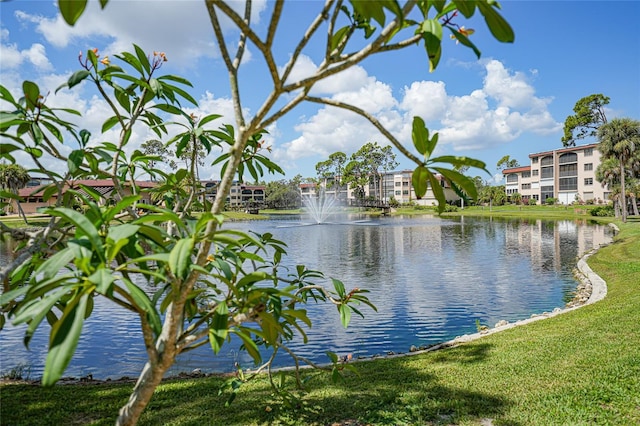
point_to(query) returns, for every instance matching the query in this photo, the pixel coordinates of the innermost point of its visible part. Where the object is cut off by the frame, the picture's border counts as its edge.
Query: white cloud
(180, 29)
(36, 55)
(504, 108)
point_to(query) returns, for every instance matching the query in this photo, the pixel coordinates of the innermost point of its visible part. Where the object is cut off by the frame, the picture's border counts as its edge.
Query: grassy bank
(579, 368)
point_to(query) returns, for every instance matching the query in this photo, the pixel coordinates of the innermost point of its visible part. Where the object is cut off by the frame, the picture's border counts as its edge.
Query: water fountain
(320, 207)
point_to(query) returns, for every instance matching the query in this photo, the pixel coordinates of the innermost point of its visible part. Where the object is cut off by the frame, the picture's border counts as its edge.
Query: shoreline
(591, 288)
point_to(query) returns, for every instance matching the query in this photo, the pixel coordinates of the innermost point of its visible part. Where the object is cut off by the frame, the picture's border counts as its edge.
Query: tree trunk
(623, 195)
(24, 216)
(143, 391)
(153, 372)
(634, 202)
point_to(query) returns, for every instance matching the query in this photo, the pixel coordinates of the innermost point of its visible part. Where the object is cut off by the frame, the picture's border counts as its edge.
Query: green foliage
(551, 201)
(532, 202)
(506, 162)
(208, 282)
(603, 211)
(424, 175)
(589, 116)
(217, 276)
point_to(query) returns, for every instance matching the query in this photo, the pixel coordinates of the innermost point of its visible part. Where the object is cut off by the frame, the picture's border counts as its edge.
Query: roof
(516, 170)
(103, 186)
(567, 149)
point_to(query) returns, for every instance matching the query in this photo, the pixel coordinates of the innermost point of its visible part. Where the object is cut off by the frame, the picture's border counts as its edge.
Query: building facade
(396, 185)
(567, 174)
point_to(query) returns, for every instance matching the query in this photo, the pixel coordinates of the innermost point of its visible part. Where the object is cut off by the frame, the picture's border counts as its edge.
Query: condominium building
(566, 174)
(397, 185)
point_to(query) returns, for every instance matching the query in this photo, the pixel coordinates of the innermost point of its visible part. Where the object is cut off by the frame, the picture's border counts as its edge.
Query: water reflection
(430, 278)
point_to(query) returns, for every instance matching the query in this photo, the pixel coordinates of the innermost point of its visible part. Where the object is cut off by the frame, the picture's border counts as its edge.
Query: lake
(430, 278)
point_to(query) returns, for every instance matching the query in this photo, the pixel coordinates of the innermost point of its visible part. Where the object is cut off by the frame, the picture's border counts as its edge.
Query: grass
(579, 368)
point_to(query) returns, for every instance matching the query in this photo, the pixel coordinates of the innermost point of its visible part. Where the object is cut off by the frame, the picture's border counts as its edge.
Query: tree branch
(372, 120)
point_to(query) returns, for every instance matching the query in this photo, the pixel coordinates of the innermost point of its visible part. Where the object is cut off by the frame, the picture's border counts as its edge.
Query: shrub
(603, 211)
(450, 209)
(551, 201)
(532, 202)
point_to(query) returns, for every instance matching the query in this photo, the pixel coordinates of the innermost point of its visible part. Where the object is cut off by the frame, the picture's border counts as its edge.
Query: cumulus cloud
(505, 107)
(182, 31)
(13, 57)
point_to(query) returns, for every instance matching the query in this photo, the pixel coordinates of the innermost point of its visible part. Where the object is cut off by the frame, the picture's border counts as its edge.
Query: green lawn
(579, 368)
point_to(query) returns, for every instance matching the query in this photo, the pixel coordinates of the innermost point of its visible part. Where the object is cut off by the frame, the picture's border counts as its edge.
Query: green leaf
(144, 304)
(74, 160)
(109, 123)
(50, 267)
(71, 10)
(64, 339)
(156, 86)
(438, 192)
(419, 181)
(339, 286)
(466, 7)
(465, 41)
(31, 94)
(498, 26)
(431, 30)
(345, 315)
(249, 344)
(467, 185)
(142, 57)
(77, 77)
(460, 161)
(218, 330)
(102, 279)
(338, 37)
(180, 257)
(420, 136)
(83, 225)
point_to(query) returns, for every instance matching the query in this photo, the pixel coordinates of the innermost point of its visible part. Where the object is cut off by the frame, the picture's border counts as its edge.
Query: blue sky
(512, 101)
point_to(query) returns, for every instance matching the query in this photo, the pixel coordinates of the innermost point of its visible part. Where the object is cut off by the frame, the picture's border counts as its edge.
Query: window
(526, 186)
(588, 167)
(405, 192)
(569, 157)
(512, 177)
(568, 184)
(588, 181)
(398, 192)
(536, 197)
(588, 152)
(534, 172)
(405, 183)
(398, 183)
(534, 160)
(568, 170)
(546, 192)
(546, 161)
(526, 174)
(547, 172)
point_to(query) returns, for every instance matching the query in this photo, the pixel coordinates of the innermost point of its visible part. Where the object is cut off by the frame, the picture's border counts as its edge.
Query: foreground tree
(589, 116)
(13, 177)
(210, 283)
(620, 139)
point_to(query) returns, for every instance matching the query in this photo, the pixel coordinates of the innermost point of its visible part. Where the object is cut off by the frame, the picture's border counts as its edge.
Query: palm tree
(608, 173)
(619, 139)
(13, 178)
